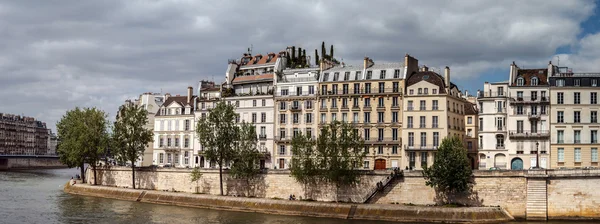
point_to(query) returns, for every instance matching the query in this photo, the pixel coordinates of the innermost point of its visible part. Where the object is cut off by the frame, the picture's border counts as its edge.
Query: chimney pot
(189, 94)
(447, 76)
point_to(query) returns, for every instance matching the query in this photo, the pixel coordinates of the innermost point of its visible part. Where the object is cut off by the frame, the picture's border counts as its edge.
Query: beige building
(434, 108)
(574, 118)
(370, 97)
(472, 132)
(295, 110)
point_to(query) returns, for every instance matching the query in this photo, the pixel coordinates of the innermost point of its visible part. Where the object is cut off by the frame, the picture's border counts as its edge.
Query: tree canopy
(245, 164)
(130, 135)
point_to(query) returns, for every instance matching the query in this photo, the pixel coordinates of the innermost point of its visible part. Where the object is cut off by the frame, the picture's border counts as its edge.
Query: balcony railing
(534, 115)
(420, 147)
(292, 94)
(529, 99)
(295, 108)
(262, 136)
(492, 94)
(499, 146)
(529, 134)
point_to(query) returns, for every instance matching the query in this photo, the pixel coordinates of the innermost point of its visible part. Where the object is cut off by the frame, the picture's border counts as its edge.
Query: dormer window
(520, 81)
(357, 75)
(369, 74)
(326, 76)
(382, 74)
(336, 76)
(346, 76)
(420, 91)
(534, 81)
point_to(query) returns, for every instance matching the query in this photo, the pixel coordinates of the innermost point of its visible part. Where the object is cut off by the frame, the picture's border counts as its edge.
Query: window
(380, 117)
(594, 136)
(323, 103)
(423, 139)
(560, 98)
(380, 134)
(520, 109)
(435, 105)
(520, 81)
(436, 139)
(594, 155)
(367, 87)
(434, 122)
(367, 134)
(324, 89)
(422, 105)
(395, 134)
(345, 117)
(355, 117)
(187, 125)
(367, 118)
(367, 102)
(481, 124)
(470, 120)
(253, 117)
(422, 122)
(576, 98)
(335, 76)
(560, 136)
(161, 142)
(394, 117)
(333, 103)
(411, 139)
(168, 141)
(309, 132)
(356, 88)
(186, 142)
(334, 89)
(576, 116)
(169, 158)
(577, 82)
(560, 117)
(237, 118)
(161, 158)
(534, 81)
(333, 116)
(311, 90)
(237, 103)
(561, 155)
(594, 117)
(308, 118)
(263, 117)
(282, 150)
(282, 133)
(282, 118)
(381, 87)
(594, 98)
(308, 104)
(395, 149)
(254, 103)
(296, 118)
(380, 103)
(346, 76)
(345, 89)
(542, 109)
(299, 91)
(282, 105)
(410, 122)
(577, 136)
(533, 95)
(395, 101)
(560, 82)
(577, 155)
(420, 91)
(357, 75)
(433, 91)
(366, 164)
(369, 74)
(397, 73)
(426, 91)
(323, 118)
(395, 87)
(411, 92)
(382, 74)
(409, 105)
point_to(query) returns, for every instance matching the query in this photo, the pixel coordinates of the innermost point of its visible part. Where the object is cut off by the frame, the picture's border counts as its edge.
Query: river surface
(36, 196)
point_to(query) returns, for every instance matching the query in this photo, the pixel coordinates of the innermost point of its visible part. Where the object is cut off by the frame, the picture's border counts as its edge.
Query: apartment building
(174, 131)
(150, 102)
(492, 104)
(249, 85)
(369, 97)
(21, 135)
(574, 118)
(528, 118)
(295, 101)
(434, 108)
(209, 95)
(471, 136)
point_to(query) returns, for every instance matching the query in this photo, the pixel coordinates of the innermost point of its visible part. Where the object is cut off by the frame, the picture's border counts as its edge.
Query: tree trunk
(133, 174)
(82, 166)
(221, 177)
(95, 179)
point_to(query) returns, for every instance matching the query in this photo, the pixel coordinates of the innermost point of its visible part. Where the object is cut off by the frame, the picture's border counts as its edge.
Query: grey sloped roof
(300, 70)
(329, 75)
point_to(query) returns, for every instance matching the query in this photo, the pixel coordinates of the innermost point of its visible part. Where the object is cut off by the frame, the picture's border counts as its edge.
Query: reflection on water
(37, 197)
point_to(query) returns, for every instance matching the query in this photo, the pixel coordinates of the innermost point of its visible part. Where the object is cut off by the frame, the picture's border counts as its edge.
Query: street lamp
(537, 161)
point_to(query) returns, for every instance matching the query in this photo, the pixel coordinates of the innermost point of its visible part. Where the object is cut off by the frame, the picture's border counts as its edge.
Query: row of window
(533, 110)
(422, 91)
(458, 123)
(299, 92)
(237, 103)
(560, 98)
(456, 107)
(175, 123)
(560, 117)
(560, 137)
(576, 82)
(173, 142)
(423, 142)
(577, 155)
(173, 111)
(336, 75)
(170, 156)
(380, 150)
(355, 102)
(357, 89)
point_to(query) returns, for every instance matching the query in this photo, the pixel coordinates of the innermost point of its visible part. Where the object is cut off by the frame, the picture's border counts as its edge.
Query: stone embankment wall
(300, 208)
(30, 163)
(569, 194)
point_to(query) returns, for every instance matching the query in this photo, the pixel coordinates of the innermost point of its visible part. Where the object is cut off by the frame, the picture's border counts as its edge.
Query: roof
(291, 71)
(528, 74)
(210, 89)
(181, 100)
(427, 76)
(251, 78)
(260, 59)
(470, 109)
(329, 75)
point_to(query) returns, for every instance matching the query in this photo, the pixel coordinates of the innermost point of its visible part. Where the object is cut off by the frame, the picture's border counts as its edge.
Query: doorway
(516, 164)
(380, 164)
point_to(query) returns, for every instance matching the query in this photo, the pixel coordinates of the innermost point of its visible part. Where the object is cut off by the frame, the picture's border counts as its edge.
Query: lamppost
(537, 154)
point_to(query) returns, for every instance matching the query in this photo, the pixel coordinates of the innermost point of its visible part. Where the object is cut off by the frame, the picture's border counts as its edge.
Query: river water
(36, 196)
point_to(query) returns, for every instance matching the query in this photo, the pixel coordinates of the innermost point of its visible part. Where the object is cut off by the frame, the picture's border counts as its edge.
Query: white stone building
(174, 132)
(492, 104)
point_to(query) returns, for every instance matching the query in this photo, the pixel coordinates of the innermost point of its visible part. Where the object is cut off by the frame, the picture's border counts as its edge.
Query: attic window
(534, 81)
(397, 73)
(346, 76)
(325, 76)
(520, 81)
(382, 74)
(425, 77)
(357, 75)
(336, 76)
(369, 74)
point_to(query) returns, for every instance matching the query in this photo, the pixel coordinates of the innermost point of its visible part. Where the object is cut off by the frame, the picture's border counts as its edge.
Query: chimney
(513, 70)
(410, 65)
(365, 62)
(167, 95)
(550, 70)
(189, 96)
(447, 77)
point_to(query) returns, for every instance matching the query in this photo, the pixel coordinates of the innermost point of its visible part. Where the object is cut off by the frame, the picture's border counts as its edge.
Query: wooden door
(380, 164)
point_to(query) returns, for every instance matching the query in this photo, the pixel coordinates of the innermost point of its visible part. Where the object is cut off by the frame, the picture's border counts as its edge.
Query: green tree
(331, 52)
(84, 138)
(293, 61)
(245, 164)
(195, 176)
(334, 157)
(323, 51)
(316, 57)
(451, 172)
(215, 134)
(130, 135)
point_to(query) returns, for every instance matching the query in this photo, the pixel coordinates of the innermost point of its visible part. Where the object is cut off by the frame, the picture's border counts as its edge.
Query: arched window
(520, 81)
(534, 81)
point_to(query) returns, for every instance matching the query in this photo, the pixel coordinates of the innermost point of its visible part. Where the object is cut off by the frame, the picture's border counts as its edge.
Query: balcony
(295, 94)
(262, 136)
(528, 134)
(421, 147)
(499, 146)
(295, 108)
(283, 138)
(490, 94)
(323, 108)
(529, 100)
(345, 108)
(534, 116)
(383, 140)
(355, 108)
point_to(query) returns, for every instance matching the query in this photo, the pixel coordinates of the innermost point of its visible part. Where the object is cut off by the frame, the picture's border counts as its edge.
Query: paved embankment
(301, 208)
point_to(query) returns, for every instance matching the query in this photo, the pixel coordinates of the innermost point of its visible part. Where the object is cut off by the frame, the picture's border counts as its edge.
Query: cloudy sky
(59, 54)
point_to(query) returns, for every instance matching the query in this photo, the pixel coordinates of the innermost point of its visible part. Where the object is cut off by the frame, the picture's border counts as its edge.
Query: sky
(56, 55)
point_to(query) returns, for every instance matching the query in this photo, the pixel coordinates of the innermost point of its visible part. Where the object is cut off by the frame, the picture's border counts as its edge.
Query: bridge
(26, 161)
